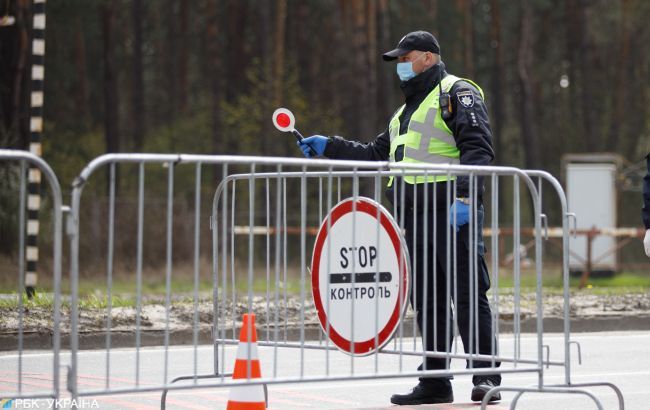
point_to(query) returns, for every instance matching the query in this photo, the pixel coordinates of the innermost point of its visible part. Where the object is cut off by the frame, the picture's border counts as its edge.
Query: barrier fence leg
(521, 391)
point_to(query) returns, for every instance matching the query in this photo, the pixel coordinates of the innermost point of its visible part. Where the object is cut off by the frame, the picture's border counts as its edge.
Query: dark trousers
(434, 299)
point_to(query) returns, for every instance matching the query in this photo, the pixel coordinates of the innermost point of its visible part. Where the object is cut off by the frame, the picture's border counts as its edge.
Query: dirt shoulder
(588, 312)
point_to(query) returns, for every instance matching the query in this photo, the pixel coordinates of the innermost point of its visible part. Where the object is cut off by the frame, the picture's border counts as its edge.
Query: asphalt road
(622, 358)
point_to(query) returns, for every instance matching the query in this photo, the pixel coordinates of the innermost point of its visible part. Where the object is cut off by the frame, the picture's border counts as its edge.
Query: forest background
(204, 76)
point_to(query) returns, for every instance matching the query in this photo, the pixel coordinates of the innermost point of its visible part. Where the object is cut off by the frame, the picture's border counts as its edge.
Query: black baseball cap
(417, 40)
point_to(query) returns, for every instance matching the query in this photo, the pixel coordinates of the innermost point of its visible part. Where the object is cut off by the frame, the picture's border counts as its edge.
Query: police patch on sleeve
(466, 98)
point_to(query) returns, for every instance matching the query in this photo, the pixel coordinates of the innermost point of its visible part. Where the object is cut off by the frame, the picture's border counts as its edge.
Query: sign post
(360, 276)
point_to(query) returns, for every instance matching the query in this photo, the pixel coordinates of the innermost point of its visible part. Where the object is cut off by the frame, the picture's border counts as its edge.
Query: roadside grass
(46, 300)
(621, 283)
(93, 291)
(12, 301)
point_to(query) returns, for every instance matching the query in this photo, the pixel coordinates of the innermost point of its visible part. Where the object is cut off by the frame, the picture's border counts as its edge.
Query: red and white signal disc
(284, 120)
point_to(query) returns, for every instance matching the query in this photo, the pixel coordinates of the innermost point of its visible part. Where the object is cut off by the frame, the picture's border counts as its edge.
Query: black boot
(426, 392)
(482, 386)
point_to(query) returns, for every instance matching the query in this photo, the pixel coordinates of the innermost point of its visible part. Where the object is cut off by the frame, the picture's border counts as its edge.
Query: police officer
(443, 120)
(645, 211)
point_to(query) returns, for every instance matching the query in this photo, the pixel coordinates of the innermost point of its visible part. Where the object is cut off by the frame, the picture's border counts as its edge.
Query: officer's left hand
(646, 242)
(461, 210)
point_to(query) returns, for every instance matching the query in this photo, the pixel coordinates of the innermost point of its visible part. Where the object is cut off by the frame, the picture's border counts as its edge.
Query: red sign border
(370, 207)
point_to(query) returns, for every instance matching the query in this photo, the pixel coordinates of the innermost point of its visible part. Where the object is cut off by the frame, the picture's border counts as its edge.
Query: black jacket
(645, 211)
(469, 125)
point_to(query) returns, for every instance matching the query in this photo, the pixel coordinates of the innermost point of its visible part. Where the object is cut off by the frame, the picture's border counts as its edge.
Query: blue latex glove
(316, 142)
(462, 214)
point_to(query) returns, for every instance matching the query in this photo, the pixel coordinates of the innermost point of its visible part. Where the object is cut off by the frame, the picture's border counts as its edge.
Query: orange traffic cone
(247, 397)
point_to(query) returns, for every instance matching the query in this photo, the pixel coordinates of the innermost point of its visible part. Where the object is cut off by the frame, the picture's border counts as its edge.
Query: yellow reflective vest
(427, 140)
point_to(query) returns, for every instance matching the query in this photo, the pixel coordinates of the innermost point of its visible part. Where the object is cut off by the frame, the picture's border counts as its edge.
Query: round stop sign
(359, 276)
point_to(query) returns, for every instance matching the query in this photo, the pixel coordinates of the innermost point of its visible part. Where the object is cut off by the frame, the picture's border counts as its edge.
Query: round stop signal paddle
(284, 121)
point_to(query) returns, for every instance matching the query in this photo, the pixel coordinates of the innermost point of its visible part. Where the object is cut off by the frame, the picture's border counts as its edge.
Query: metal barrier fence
(263, 198)
(34, 379)
(568, 386)
(274, 193)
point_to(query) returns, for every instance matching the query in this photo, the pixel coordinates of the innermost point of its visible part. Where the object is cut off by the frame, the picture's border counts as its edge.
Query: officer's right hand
(314, 144)
(646, 242)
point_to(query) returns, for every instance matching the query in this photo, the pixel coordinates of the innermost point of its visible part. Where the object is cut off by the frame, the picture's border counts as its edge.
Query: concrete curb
(185, 337)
